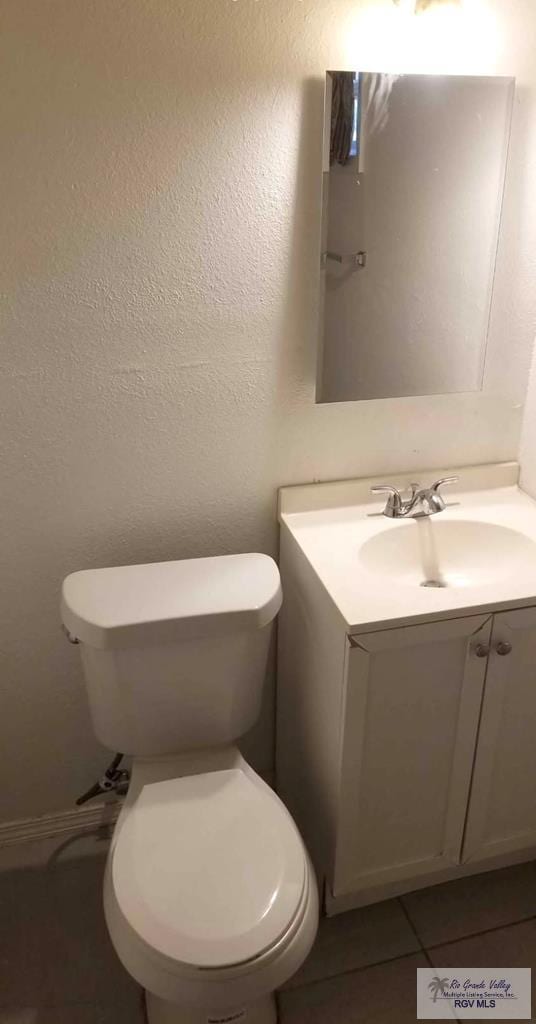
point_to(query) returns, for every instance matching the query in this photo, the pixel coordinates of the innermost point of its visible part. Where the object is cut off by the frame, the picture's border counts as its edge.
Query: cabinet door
(502, 808)
(413, 699)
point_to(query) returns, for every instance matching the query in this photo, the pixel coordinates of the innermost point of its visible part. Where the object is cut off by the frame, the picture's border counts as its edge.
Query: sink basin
(477, 555)
(435, 553)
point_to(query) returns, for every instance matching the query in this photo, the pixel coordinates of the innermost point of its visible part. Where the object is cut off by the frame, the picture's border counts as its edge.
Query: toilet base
(159, 1011)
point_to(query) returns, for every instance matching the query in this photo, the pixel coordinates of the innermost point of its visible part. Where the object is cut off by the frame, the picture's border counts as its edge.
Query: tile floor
(57, 965)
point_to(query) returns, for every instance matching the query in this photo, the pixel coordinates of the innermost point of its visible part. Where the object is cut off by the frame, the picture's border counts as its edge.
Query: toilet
(209, 895)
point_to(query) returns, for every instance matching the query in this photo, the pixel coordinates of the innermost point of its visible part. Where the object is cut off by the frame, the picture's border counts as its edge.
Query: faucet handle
(444, 480)
(385, 489)
(394, 501)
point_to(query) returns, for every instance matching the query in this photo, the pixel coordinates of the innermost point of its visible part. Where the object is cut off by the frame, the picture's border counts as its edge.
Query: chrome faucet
(423, 501)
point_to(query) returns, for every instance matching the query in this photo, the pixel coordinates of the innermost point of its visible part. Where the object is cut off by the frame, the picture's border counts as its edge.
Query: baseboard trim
(88, 818)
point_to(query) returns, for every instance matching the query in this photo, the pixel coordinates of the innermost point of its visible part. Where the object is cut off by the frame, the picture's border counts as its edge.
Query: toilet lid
(209, 869)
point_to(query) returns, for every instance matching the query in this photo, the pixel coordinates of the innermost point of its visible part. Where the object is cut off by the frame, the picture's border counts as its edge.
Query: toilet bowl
(209, 895)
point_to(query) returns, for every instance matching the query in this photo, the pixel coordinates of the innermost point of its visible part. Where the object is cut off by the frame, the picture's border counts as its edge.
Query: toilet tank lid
(162, 602)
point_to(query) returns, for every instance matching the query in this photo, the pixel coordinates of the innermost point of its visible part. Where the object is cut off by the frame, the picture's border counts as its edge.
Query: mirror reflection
(413, 178)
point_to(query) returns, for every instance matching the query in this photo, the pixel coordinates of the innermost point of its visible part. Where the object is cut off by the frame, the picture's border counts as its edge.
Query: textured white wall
(159, 193)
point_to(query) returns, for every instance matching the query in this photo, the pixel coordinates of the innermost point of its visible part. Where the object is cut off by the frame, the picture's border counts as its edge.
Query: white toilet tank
(174, 653)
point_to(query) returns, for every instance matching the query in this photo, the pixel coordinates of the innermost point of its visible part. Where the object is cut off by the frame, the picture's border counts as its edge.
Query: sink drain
(433, 583)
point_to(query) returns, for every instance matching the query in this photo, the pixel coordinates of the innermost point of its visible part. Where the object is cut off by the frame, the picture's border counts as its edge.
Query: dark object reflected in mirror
(413, 179)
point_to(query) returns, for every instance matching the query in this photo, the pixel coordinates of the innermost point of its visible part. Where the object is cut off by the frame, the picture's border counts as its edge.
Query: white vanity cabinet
(412, 707)
(427, 766)
(406, 752)
(502, 808)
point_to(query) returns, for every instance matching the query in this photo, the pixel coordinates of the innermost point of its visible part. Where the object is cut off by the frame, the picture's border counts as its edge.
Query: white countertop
(335, 523)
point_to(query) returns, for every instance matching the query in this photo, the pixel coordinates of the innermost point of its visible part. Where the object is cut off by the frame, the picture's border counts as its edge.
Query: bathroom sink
(431, 552)
(476, 555)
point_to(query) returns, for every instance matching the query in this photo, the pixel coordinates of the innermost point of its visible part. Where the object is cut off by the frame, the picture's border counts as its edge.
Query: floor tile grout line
(475, 935)
(419, 940)
(425, 950)
(433, 967)
(68, 1004)
(352, 970)
(413, 926)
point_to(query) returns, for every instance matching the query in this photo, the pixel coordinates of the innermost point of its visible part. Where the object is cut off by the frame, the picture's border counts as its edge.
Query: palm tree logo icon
(438, 986)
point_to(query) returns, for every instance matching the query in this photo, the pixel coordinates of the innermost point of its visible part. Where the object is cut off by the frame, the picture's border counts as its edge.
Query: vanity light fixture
(419, 6)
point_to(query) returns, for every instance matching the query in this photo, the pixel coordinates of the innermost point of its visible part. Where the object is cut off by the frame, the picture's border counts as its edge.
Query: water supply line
(114, 780)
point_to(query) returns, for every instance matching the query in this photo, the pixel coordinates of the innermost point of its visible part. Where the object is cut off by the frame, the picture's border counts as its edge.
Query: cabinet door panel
(413, 699)
(502, 809)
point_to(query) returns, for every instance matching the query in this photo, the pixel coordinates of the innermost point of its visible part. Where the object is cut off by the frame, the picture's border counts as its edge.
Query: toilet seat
(209, 870)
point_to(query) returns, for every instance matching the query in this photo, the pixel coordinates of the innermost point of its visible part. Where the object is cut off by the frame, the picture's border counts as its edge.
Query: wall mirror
(413, 179)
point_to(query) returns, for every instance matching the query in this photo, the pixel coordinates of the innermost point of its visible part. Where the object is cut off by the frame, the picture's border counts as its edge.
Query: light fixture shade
(418, 6)
(423, 5)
